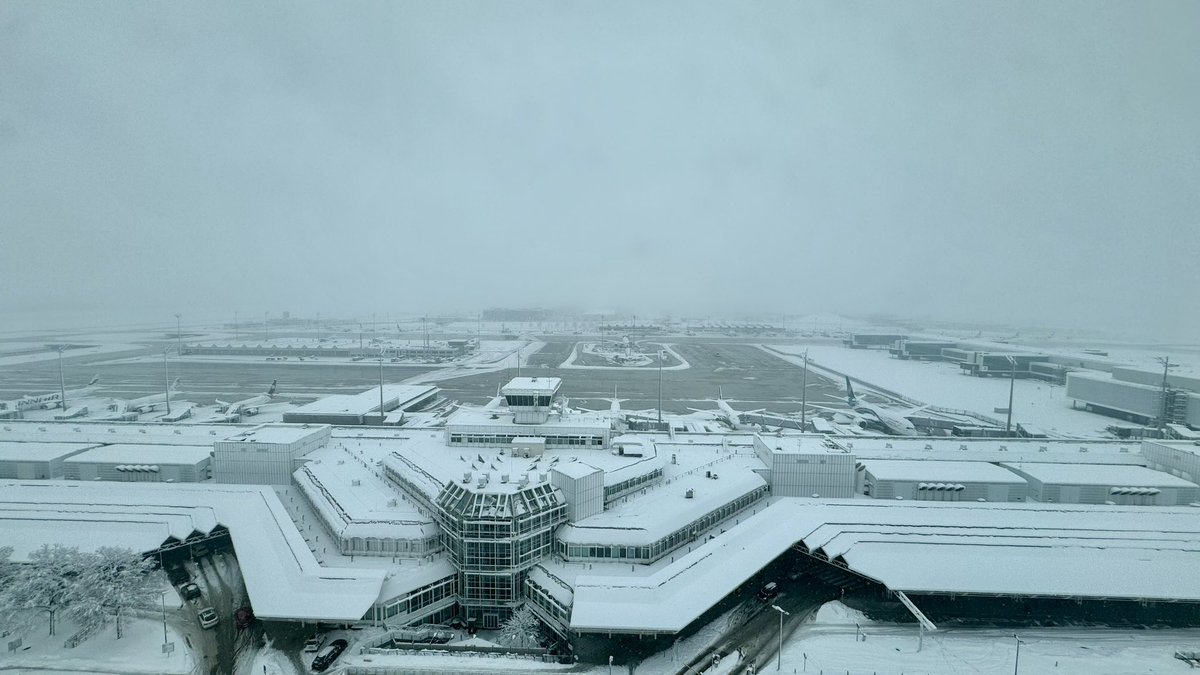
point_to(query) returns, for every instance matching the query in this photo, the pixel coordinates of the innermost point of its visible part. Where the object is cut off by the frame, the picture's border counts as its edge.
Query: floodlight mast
(1012, 380)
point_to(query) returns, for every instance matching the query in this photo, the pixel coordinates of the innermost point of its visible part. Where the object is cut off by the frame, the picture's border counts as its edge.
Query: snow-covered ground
(98, 350)
(571, 364)
(942, 384)
(140, 650)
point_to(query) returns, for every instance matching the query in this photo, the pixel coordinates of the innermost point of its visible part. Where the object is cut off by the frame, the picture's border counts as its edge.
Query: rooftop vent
(689, 494)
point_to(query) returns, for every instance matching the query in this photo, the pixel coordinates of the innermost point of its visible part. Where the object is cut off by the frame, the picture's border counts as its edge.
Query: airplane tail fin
(850, 397)
(720, 394)
(271, 391)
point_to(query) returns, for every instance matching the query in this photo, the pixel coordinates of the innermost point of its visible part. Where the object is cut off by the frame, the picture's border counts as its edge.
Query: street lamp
(1012, 380)
(1017, 661)
(163, 596)
(178, 335)
(779, 656)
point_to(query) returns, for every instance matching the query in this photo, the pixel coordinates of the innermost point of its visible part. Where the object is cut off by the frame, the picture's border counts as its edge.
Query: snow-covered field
(570, 363)
(1035, 402)
(138, 651)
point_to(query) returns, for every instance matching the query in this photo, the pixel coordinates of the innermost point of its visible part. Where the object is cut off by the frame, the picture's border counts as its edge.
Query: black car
(190, 591)
(329, 654)
(177, 575)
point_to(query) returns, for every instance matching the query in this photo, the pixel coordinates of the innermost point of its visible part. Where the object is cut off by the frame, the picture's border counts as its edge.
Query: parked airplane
(728, 415)
(144, 404)
(873, 416)
(54, 400)
(250, 405)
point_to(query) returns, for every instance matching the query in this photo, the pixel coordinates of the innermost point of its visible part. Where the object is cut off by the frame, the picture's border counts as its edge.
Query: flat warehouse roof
(128, 453)
(20, 451)
(936, 470)
(1099, 474)
(277, 433)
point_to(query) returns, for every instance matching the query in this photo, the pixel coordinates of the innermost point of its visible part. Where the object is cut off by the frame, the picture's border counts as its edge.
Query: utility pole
(266, 327)
(62, 382)
(178, 336)
(804, 394)
(236, 336)
(318, 328)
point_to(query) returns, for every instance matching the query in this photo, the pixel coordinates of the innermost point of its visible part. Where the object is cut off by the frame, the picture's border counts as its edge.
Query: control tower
(529, 398)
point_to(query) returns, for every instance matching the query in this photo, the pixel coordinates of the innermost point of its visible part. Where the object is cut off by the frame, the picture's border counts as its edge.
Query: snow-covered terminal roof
(282, 577)
(1077, 551)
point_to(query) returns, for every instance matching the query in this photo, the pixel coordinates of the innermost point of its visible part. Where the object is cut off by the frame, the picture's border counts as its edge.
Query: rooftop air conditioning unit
(689, 494)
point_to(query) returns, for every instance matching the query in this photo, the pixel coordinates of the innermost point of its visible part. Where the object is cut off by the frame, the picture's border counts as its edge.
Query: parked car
(208, 617)
(190, 591)
(177, 574)
(769, 591)
(314, 643)
(329, 654)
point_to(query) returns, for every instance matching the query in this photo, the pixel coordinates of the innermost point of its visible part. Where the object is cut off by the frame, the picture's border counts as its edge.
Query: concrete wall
(584, 495)
(805, 475)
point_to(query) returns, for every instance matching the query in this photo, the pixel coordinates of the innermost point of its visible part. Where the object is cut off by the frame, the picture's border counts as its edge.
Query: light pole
(804, 393)
(1167, 365)
(62, 382)
(178, 335)
(380, 385)
(1012, 381)
(1017, 661)
(163, 596)
(236, 336)
(779, 656)
(660, 360)
(167, 378)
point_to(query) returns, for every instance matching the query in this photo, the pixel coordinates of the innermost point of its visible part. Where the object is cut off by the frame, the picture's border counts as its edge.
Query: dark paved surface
(748, 377)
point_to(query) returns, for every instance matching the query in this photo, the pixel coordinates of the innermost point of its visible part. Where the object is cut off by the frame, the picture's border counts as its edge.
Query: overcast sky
(1025, 163)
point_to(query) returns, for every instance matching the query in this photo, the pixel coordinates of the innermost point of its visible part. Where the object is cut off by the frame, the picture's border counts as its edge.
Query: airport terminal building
(622, 543)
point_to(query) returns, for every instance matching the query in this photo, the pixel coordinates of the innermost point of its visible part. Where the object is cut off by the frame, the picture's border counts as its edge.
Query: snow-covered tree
(113, 581)
(45, 583)
(522, 629)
